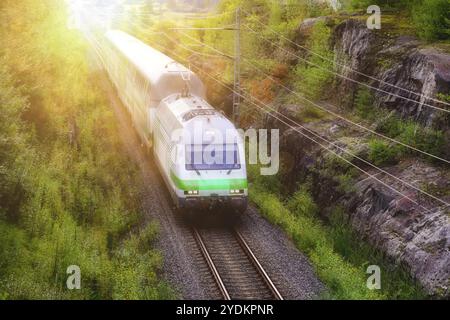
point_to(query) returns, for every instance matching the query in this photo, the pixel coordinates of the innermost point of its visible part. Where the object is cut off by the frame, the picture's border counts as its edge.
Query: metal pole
(237, 68)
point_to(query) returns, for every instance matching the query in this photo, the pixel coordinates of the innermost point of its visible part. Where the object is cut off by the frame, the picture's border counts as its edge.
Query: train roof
(185, 112)
(165, 75)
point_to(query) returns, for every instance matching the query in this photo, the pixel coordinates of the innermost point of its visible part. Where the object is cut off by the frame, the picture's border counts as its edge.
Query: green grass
(309, 235)
(364, 104)
(413, 134)
(340, 258)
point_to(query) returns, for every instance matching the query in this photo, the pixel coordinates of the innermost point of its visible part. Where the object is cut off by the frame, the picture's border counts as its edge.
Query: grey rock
(411, 236)
(417, 239)
(422, 72)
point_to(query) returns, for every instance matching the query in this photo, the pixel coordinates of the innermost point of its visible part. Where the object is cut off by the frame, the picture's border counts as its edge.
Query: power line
(341, 149)
(321, 145)
(342, 76)
(347, 67)
(248, 62)
(313, 103)
(329, 142)
(230, 28)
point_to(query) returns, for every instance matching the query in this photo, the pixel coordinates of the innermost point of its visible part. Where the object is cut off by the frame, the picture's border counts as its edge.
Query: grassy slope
(338, 255)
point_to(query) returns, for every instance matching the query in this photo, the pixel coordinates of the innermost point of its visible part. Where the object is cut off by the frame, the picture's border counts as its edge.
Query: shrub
(364, 103)
(384, 4)
(314, 78)
(346, 182)
(413, 134)
(82, 207)
(14, 151)
(269, 183)
(382, 153)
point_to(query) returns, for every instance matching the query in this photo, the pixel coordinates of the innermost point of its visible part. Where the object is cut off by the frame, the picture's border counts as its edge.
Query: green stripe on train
(213, 184)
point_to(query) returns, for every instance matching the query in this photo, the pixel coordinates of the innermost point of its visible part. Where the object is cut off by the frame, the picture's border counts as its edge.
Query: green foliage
(14, 151)
(432, 19)
(384, 4)
(301, 203)
(406, 131)
(346, 182)
(270, 183)
(68, 192)
(382, 153)
(364, 104)
(338, 255)
(443, 97)
(135, 268)
(310, 113)
(414, 134)
(313, 79)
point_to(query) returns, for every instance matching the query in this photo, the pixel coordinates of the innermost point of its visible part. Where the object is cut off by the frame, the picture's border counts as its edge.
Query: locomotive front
(210, 170)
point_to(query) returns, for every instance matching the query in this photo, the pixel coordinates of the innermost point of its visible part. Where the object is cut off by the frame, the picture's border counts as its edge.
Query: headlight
(192, 193)
(236, 191)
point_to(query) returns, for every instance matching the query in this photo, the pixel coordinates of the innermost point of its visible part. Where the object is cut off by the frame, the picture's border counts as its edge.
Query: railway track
(236, 270)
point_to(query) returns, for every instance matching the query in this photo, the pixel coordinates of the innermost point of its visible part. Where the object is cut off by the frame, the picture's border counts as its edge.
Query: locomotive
(198, 150)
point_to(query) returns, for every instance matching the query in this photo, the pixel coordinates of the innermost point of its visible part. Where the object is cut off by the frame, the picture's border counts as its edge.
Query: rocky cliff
(415, 236)
(399, 66)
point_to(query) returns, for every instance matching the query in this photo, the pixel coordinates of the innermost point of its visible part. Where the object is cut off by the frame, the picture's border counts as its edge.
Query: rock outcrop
(408, 234)
(403, 69)
(414, 236)
(407, 74)
(410, 228)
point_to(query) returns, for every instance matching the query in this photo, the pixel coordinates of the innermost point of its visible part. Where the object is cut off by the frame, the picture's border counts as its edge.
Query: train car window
(212, 157)
(196, 113)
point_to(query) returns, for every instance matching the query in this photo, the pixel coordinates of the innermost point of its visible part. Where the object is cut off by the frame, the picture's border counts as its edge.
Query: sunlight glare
(84, 14)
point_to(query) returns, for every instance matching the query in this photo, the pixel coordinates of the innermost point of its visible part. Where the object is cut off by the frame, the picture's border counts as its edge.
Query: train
(198, 150)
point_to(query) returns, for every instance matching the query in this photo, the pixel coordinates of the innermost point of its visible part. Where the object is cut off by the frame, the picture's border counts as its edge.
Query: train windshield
(212, 157)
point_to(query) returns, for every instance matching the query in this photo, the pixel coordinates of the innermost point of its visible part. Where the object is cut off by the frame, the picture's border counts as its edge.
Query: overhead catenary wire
(111, 14)
(333, 144)
(230, 27)
(346, 67)
(321, 145)
(248, 62)
(340, 148)
(343, 76)
(251, 100)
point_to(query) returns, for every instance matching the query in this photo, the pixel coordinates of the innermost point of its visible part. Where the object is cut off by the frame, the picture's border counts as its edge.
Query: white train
(164, 98)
